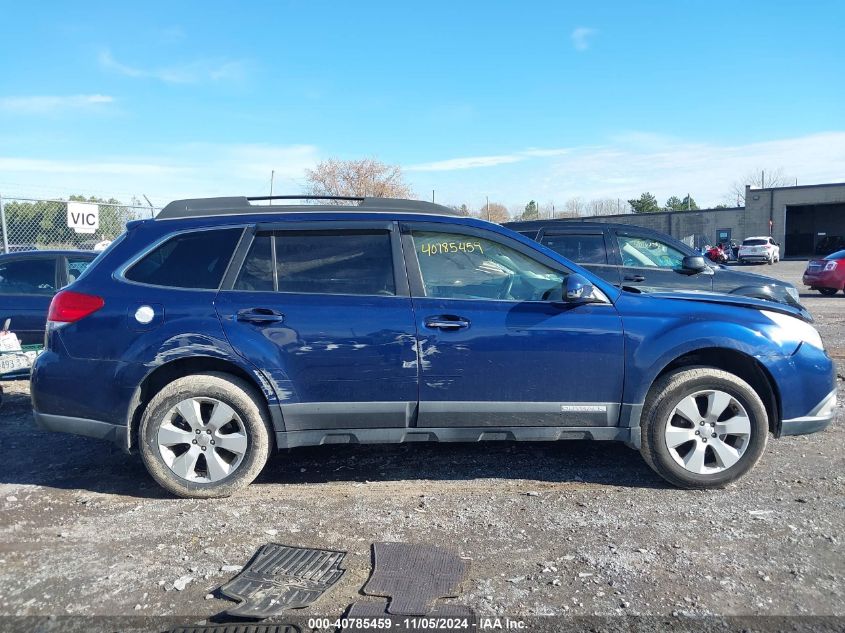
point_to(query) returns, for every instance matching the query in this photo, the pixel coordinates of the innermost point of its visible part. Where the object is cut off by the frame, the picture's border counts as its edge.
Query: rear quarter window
(188, 260)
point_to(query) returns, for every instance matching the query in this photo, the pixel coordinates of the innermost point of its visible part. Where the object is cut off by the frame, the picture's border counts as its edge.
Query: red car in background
(826, 275)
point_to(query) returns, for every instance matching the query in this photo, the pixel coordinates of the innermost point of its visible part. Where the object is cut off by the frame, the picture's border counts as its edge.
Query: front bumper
(815, 420)
(81, 426)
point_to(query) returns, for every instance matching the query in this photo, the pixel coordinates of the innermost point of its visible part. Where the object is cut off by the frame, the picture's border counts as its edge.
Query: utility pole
(763, 179)
(432, 195)
(272, 177)
(487, 207)
(689, 202)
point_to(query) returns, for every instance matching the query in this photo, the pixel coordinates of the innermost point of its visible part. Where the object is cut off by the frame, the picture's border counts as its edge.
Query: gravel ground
(575, 528)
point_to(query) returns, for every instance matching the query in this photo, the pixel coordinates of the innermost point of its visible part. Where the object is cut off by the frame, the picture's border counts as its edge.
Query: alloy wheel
(202, 440)
(708, 432)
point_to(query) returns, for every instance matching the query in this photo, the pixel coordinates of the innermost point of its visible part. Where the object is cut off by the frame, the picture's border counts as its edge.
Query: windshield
(755, 242)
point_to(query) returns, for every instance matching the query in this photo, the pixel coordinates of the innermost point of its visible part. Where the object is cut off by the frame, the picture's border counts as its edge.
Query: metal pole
(487, 206)
(3, 222)
(272, 177)
(152, 211)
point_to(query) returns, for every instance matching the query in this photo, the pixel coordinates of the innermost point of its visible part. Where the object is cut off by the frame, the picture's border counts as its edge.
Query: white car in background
(759, 249)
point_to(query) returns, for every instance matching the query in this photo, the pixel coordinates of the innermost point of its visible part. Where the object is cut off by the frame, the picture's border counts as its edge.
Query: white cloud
(46, 104)
(627, 165)
(620, 167)
(469, 162)
(473, 162)
(194, 170)
(581, 37)
(188, 73)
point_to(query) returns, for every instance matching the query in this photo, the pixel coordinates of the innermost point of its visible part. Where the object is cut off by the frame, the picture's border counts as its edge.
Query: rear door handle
(634, 278)
(446, 323)
(260, 315)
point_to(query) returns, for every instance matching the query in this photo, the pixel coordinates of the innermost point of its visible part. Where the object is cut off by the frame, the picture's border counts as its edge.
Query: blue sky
(512, 100)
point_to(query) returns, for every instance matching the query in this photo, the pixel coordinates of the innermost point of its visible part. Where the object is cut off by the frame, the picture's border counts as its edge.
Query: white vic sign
(83, 217)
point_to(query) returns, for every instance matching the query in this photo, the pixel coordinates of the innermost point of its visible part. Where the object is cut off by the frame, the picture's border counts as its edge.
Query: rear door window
(349, 262)
(28, 277)
(189, 260)
(335, 262)
(258, 273)
(581, 248)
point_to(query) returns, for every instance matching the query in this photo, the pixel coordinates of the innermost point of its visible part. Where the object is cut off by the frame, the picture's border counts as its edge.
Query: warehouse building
(800, 218)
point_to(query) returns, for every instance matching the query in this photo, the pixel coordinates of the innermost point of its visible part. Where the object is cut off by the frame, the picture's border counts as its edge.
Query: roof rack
(202, 207)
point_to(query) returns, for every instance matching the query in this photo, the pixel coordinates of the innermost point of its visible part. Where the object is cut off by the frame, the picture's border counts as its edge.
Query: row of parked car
(222, 329)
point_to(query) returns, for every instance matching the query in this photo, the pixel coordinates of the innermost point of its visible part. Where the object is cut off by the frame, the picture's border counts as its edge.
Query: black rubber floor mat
(414, 576)
(362, 616)
(240, 628)
(281, 577)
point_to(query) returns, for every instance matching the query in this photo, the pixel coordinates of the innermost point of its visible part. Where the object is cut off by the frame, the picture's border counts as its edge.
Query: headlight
(795, 329)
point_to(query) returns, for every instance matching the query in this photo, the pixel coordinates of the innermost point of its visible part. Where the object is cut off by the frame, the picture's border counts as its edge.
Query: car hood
(734, 300)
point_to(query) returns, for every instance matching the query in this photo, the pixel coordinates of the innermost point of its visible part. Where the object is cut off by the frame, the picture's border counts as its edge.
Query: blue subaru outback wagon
(222, 329)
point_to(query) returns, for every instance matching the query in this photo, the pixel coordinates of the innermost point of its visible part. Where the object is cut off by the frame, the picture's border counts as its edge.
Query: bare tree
(495, 212)
(758, 179)
(462, 209)
(608, 206)
(574, 207)
(366, 177)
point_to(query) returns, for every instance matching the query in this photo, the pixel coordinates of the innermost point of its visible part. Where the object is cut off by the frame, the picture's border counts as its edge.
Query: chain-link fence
(28, 224)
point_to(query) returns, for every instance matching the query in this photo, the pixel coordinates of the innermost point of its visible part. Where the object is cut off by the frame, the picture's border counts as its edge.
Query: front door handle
(447, 322)
(260, 315)
(634, 278)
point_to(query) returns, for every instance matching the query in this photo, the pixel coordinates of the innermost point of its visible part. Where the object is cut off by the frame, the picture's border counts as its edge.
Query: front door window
(648, 252)
(456, 266)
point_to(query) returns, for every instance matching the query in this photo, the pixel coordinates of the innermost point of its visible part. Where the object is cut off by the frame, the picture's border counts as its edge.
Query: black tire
(828, 292)
(665, 395)
(246, 402)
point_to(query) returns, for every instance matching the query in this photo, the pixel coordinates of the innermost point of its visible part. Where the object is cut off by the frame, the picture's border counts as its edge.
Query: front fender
(650, 350)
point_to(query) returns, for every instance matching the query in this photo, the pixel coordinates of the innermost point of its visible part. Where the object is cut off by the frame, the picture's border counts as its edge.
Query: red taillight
(69, 306)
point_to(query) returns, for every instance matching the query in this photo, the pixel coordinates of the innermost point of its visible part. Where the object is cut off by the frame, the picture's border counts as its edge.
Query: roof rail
(201, 207)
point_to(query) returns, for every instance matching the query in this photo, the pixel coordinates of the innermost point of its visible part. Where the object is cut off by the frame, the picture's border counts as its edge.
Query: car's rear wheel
(703, 428)
(205, 435)
(827, 292)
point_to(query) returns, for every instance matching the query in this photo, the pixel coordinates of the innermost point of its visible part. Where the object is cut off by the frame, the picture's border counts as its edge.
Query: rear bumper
(81, 426)
(816, 420)
(827, 279)
(756, 257)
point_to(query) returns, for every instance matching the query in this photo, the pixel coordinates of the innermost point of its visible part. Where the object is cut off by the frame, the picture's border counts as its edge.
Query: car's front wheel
(205, 435)
(703, 428)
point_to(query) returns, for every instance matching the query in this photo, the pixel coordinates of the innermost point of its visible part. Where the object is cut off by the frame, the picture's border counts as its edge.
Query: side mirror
(576, 289)
(693, 264)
